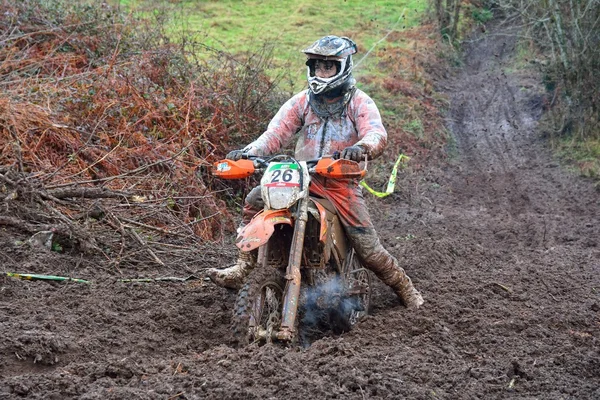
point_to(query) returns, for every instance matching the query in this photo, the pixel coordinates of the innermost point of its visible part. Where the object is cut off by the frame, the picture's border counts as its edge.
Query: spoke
(265, 310)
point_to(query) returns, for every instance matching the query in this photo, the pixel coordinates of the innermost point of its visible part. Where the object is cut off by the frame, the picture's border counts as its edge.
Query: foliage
(95, 96)
(394, 52)
(92, 96)
(569, 33)
(447, 13)
(455, 17)
(481, 15)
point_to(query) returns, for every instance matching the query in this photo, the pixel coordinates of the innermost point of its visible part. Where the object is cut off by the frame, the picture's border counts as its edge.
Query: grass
(574, 140)
(583, 154)
(242, 26)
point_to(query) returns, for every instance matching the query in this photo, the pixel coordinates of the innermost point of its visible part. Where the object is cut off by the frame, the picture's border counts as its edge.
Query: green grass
(415, 126)
(239, 26)
(584, 154)
(481, 15)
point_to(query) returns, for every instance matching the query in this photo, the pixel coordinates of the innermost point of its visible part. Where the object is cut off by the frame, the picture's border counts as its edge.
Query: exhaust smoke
(325, 308)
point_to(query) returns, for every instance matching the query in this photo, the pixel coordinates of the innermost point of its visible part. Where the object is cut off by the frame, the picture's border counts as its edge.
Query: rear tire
(257, 311)
(357, 301)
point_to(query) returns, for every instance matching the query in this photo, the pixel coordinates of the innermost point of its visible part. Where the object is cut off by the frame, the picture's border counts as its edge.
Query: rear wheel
(357, 297)
(359, 288)
(257, 312)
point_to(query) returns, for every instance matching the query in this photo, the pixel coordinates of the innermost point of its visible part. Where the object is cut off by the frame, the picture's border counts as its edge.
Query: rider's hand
(235, 155)
(354, 153)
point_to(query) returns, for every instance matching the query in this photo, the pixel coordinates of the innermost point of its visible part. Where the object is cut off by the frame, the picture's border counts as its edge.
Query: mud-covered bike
(307, 277)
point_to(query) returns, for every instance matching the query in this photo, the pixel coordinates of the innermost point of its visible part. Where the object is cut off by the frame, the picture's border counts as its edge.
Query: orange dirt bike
(308, 279)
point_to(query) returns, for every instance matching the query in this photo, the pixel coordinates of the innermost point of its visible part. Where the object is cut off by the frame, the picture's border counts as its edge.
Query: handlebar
(264, 161)
(327, 166)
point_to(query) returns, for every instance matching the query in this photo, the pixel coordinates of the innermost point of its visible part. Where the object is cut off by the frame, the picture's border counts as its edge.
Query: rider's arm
(282, 128)
(371, 133)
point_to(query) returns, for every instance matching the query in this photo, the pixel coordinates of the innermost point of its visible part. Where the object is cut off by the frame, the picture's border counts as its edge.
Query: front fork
(292, 274)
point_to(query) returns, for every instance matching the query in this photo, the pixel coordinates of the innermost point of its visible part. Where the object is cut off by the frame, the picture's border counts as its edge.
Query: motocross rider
(331, 116)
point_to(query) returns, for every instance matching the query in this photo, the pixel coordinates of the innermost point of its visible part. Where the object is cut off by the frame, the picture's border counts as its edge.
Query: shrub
(92, 96)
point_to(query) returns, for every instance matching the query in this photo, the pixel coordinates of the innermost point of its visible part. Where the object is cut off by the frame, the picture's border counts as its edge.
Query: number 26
(287, 175)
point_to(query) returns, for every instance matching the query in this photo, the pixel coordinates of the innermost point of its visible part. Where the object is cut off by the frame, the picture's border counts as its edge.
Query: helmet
(334, 48)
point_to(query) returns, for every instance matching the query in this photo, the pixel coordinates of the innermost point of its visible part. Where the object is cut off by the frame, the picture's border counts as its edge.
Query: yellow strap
(391, 182)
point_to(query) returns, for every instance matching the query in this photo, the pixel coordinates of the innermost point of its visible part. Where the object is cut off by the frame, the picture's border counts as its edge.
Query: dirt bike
(307, 278)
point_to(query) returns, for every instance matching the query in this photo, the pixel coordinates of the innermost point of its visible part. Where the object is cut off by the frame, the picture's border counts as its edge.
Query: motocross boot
(406, 291)
(395, 277)
(385, 266)
(234, 276)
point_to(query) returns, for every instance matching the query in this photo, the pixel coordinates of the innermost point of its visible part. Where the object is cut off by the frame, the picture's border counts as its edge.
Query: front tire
(257, 311)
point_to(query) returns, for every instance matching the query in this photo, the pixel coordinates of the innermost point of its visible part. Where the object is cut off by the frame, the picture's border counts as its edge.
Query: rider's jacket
(357, 123)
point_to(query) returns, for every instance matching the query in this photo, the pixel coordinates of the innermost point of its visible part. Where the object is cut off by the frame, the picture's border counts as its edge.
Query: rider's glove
(235, 155)
(354, 153)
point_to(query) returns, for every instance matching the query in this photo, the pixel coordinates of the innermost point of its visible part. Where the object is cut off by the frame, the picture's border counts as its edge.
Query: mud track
(503, 242)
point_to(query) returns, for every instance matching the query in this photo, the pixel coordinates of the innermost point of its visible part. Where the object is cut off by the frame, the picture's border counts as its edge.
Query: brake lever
(259, 162)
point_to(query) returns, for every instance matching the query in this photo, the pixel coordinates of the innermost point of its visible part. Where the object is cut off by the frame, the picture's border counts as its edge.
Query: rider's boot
(234, 276)
(403, 287)
(395, 277)
(376, 258)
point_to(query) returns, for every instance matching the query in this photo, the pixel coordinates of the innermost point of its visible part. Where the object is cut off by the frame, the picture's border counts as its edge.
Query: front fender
(260, 229)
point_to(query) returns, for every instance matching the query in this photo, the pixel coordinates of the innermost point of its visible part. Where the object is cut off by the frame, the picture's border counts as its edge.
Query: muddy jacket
(358, 124)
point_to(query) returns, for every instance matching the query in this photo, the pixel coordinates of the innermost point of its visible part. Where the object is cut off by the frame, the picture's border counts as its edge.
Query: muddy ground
(502, 241)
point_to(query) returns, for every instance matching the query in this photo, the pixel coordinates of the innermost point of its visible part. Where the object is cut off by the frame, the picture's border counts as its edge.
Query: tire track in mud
(490, 130)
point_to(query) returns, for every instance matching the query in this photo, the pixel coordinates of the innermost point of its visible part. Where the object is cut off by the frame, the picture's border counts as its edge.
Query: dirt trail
(503, 242)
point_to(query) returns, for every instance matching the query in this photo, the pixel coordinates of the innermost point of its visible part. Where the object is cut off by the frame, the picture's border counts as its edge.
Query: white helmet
(334, 48)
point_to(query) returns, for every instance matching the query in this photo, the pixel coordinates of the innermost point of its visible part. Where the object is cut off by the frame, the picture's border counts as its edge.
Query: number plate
(282, 175)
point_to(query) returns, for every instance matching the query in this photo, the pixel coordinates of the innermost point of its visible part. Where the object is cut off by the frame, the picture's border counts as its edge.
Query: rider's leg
(253, 204)
(234, 276)
(347, 198)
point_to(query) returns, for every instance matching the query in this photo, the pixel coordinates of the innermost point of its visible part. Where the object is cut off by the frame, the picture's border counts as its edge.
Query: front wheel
(257, 312)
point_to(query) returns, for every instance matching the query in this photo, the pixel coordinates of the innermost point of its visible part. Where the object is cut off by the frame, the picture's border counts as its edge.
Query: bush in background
(92, 96)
